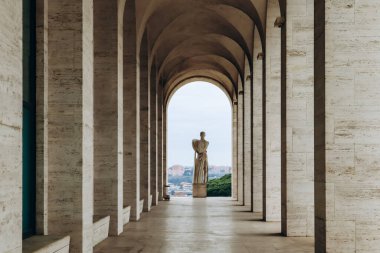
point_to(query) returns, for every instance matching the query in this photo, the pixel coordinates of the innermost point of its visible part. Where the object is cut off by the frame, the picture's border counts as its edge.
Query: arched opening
(195, 107)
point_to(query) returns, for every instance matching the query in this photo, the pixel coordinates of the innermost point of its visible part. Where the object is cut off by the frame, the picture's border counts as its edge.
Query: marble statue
(200, 166)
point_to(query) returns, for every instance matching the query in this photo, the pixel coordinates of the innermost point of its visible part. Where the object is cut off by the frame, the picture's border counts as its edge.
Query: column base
(199, 190)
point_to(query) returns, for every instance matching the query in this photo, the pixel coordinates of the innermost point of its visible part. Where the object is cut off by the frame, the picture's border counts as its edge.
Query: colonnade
(305, 114)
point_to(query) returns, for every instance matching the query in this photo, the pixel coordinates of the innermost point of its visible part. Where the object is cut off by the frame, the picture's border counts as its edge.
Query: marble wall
(10, 126)
(347, 119)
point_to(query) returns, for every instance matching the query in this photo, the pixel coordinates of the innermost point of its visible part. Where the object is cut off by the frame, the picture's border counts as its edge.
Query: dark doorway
(29, 121)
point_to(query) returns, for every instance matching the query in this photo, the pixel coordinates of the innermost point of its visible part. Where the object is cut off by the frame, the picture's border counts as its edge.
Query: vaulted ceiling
(205, 39)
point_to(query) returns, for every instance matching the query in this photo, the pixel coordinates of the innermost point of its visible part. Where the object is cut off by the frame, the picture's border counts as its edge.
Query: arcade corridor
(210, 225)
(84, 91)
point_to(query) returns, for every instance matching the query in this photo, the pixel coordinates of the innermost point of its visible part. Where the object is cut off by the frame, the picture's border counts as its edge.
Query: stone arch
(192, 79)
(207, 21)
(212, 62)
(225, 18)
(257, 15)
(170, 37)
(205, 71)
(202, 45)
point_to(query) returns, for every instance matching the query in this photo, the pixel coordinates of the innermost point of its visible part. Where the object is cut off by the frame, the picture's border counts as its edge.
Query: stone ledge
(126, 214)
(46, 244)
(100, 229)
(150, 201)
(141, 207)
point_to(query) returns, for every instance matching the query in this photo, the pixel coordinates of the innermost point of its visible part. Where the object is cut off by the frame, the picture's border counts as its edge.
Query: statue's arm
(194, 142)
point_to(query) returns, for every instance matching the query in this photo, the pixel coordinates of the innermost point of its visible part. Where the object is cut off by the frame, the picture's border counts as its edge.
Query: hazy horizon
(196, 107)
(192, 165)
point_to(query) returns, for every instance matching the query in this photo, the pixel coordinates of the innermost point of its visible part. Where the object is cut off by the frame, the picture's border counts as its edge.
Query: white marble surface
(10, 126)
(101, 229)
(257, 137)
(272, 187)
(46, 244)
(298, 188)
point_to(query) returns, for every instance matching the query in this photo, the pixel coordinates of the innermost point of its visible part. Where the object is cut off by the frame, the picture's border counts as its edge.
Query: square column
(131, 116)
(258, 119)
(41, 116)
(298, 168)
(153, 137)
(164, 151)
(240, 143)
(247, 136)
(108, 169)
(272, 171)
(70, 121)
(144, 126)
(160, 167)
(235, 183)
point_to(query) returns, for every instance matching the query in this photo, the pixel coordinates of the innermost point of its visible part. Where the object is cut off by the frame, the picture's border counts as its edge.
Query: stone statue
(200, 167)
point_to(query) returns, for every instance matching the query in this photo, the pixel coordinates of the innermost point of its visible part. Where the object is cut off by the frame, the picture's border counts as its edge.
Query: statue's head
(203, 135)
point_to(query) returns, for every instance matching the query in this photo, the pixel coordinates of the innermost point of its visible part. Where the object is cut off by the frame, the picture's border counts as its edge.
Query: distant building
(176, 171)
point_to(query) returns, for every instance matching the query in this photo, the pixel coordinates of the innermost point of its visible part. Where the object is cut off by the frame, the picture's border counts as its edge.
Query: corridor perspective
(84, 93)
(204, 225)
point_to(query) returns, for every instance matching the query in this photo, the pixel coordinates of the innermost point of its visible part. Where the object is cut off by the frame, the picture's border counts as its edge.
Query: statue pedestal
(199, 190)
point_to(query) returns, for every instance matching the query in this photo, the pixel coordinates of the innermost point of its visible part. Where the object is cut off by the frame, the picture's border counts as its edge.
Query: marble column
(234, 151)
(240, 143)
(131, 117)
(108, 173)
(298, 169)
(159, 140)
(10, 126)
(257, 137)
(272, 174)
(347, 119)
(247, 135)
(41, 116)
(164, 150)
(144, 126)
(153, 137)
(70, 121)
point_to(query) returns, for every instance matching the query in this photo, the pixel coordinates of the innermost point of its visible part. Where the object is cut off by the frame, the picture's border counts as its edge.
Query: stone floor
(203, 225)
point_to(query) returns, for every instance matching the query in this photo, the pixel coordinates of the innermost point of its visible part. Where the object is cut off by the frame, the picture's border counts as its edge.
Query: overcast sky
(197, 107)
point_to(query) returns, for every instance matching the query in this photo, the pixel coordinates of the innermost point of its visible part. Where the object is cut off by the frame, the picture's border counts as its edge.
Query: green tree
(219, 187)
